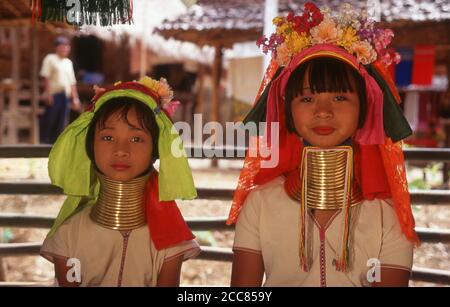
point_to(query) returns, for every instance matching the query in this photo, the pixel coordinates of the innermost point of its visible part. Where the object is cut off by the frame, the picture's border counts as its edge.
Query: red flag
(423, 64)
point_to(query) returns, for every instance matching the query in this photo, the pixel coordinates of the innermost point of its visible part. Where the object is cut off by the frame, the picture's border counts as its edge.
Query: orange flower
(325, 32)
(164, 91)
(283, 56)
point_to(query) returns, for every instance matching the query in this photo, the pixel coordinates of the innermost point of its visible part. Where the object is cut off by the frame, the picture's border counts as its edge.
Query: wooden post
(143, 58)
(445, 167)
(446, 100)
(216, 76)
(2, 115)
(12, 137)
(215, 99)
(2, 268)
(34, 129)
(199, 96)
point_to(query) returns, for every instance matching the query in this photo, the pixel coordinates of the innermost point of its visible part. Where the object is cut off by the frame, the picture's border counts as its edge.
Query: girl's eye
(340, 98)
(306, 99)
(136, 139)
(107, 138)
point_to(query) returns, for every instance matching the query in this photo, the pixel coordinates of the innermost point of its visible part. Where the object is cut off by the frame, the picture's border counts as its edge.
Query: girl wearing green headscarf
(120, 225)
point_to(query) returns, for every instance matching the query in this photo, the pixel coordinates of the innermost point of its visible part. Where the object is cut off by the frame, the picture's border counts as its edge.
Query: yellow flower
(348, 38)
(284, 29)
(325, 32)
(150, 83)
(295, 42)
(364, 52)
(278, 20)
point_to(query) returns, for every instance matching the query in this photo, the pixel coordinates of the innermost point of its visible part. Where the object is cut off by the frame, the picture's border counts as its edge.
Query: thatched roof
(226, 22)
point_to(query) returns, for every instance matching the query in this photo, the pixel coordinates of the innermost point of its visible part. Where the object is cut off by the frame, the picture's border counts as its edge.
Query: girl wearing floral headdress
(120, 225)
(335, 211)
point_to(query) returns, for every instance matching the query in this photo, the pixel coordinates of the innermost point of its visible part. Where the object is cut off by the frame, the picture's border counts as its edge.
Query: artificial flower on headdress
(161, 87)
(349, 28)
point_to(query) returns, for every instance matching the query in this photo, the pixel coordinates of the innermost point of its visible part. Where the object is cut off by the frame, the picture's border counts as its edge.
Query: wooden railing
(423, 197)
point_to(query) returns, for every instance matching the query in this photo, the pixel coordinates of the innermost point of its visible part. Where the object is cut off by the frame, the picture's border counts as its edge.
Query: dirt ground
(194, 272)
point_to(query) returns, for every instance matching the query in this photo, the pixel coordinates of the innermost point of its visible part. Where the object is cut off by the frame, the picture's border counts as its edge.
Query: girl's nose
(323, 109)
(121, 150)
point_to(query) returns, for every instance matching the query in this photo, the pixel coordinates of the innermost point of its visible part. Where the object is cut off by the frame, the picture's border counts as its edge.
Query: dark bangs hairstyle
(122, 105)
(324, 75)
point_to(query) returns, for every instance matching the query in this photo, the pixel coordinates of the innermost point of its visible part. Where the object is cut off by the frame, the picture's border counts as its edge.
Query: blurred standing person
(60, 91)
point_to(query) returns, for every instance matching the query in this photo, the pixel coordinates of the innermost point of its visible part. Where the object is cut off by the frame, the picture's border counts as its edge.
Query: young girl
(119, 225)
(335, 211)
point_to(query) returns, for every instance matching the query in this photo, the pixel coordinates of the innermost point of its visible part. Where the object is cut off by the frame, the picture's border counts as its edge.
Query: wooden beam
(11, 9)
(26, 3)
(14, 22)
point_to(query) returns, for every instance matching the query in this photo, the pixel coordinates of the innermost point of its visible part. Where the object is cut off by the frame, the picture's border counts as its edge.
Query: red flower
(290, 16)
(312, 14)
(309, 6)
(261, 41)
(301, 24)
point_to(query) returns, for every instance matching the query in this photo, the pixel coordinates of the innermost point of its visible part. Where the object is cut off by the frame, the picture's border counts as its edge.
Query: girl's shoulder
(271, 186)
(81, 217)
(385, 206)
(271, 192)
(382, 210)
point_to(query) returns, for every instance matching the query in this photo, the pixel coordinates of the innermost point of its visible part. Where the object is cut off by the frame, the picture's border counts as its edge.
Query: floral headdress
(160, 90)
(349, 29)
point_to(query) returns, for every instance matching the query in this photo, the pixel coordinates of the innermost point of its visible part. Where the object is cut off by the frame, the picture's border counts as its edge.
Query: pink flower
(171, 107)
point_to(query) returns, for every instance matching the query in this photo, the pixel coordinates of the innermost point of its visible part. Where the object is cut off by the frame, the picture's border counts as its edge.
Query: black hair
(123, 105)
(325, 75)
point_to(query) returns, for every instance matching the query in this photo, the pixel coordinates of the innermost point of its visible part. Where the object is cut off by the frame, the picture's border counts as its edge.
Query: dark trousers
(54, 119)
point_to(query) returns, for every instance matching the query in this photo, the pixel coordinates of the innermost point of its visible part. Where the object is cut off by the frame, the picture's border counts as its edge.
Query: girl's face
(325, 119)
(122, 150)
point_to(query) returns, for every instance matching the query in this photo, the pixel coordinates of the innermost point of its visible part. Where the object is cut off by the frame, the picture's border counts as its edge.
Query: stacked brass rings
(120, 205)
(328, 175)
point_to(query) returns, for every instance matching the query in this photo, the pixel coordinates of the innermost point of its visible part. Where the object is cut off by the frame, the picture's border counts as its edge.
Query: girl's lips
(323, 130)
(120, 167)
